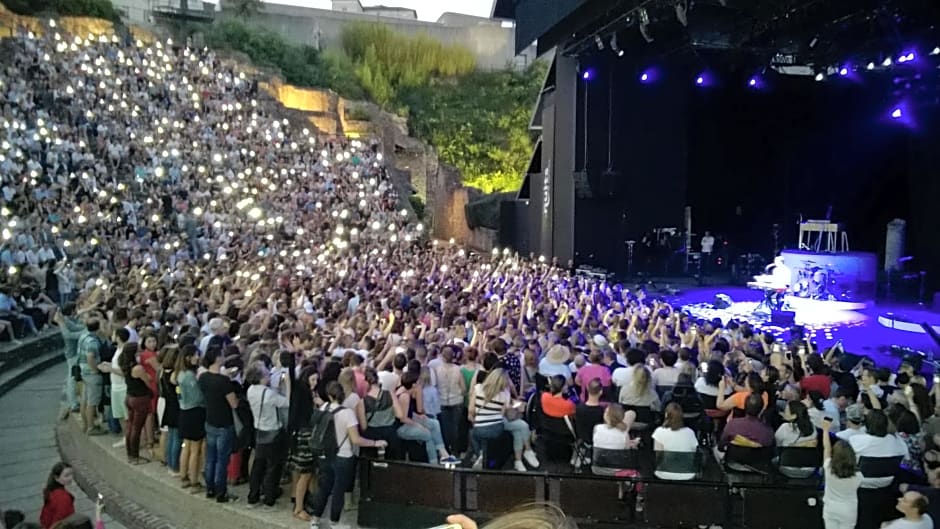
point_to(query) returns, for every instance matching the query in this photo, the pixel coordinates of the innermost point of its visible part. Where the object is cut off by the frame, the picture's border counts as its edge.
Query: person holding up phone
(840, 499)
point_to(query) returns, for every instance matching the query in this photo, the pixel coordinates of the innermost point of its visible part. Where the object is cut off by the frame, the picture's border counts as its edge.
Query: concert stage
(856, 324)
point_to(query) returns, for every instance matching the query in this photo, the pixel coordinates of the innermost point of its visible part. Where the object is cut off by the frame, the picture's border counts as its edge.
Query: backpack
(323, 444)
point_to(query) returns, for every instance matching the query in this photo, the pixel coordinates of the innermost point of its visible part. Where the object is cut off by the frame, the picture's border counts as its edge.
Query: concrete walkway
(28, 416)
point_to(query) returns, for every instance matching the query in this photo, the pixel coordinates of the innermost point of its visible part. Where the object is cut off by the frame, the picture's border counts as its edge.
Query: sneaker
(530, 458)
(314, 523)
(210, 494)
(251, 504)
(450, 460)
(478, 463)
(120, 444)
(339, 525)
(519, 466)
(226, 498)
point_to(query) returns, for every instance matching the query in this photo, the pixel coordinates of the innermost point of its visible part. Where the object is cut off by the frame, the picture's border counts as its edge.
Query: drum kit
(816, 282)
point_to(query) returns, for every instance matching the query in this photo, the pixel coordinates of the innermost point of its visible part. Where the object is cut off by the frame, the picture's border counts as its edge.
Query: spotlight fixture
(587, 75)
(870, 66)
(936, 51)
(645, 25)
(700, 80)
(599, 42)
(896, 113)
(843, 71)
(819, 77)
(682, 12)
(887, 62)
(615, 46)
(645, 77)
(752, 82)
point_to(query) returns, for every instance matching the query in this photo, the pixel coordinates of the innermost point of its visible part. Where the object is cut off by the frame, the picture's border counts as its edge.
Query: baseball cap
(855, 413)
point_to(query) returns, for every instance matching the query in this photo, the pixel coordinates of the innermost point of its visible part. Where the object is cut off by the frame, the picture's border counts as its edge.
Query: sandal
(303, 516)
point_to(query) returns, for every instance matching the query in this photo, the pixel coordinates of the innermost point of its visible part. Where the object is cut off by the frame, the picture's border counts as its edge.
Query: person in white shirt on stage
(708, 245)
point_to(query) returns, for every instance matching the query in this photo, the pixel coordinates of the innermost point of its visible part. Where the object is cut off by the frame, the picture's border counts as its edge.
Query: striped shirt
(489, 413)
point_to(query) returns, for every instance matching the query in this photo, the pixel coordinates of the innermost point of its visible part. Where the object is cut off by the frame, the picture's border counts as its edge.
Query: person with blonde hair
(489, 414)
(639, 391)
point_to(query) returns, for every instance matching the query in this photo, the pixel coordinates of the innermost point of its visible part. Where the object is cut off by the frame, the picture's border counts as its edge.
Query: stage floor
(856, 325)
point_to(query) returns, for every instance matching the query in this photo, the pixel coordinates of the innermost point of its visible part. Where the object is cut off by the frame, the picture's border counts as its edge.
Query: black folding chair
(679, 462)
(606, 462)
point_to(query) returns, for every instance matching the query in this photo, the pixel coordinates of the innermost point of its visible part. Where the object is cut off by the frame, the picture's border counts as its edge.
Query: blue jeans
(71, 395)
(333, 481)
(518, 428)
(219, 443)
(430, 435)
(174, 443)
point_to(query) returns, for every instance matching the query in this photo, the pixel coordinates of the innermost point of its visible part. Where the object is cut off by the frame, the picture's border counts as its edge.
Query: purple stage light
(752, 82)
(844, 71)
(700, 80)
(896, 113)
(587, 74)
(645, 77)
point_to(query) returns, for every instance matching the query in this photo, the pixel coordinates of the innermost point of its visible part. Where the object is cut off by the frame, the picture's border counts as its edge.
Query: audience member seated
(488, 413)
(797, 431)
(818, 378)
(595, 369)
(668, 375)
(673, 436)
(554, 403)
(752, 385)
(639, 394)
(707, 384)
(555, 362)
(612, 436)
(854, 422)
(588, 415)
(750, 430)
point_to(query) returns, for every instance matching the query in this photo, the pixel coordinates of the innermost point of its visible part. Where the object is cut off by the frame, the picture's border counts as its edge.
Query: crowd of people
(236, 291)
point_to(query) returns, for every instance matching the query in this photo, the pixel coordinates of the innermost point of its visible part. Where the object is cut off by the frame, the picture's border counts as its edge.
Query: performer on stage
(780, 277)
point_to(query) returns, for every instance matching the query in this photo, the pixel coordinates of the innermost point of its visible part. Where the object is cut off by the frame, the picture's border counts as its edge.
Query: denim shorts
(92, 389)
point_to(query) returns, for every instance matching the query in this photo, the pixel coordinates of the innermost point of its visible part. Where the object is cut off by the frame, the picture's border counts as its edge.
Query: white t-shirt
(925, 522)
(622, 376)
(117, 377)
(788, 435)
(610, 438)
(681, 440)
(708, 242)
(866, 445)
(388, 380)
(849, 433)
(665, 376)
(343, 420)
(841, 497)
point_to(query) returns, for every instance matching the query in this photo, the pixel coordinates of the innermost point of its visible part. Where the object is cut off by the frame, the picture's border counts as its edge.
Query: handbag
(267, 436)
(77, 372)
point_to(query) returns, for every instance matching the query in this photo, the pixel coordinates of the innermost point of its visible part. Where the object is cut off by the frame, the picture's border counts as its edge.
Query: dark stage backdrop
(794, 149)
(638, 174)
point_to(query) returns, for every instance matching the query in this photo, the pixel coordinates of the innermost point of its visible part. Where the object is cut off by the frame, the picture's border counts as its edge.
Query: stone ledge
(29, 359)
(147, 497)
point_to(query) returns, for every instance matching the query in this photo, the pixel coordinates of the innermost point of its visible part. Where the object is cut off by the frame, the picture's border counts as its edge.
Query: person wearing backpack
(335, 443)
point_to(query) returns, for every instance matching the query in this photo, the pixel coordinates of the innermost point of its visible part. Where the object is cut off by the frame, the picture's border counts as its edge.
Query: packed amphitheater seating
(243, 299)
